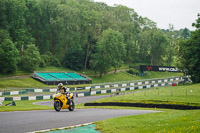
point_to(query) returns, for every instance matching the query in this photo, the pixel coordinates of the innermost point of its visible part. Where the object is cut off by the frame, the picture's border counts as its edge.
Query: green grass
(165, 95)
(29, 83)
(150, 75)
(24, 105)
(62, 69)
(172, 121)
(167, 121)
(23, 82)
(123, 76)
(18, 73)
(27, 105)
(54, 69)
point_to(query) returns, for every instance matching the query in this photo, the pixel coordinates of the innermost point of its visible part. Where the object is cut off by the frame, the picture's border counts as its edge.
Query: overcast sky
(180, 13)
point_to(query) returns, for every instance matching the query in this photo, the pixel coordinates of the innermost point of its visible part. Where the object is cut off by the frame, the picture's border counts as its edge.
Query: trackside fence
(102, 89)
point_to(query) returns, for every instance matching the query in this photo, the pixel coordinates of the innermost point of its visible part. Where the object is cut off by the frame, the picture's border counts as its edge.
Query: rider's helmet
(60, 85)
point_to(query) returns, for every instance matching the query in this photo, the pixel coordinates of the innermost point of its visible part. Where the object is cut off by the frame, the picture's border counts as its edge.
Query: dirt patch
(16, 77)
(121, 70)
(165, 106)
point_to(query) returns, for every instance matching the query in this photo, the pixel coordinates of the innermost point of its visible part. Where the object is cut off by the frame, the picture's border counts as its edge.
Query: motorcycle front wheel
(57, 106)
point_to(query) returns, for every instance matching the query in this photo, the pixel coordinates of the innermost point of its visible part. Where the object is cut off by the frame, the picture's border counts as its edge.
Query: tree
(30, 58)
(9, 55)
(185, 33)
(118, 48)
(126, 21)
(74, 58)
(89, 28)
(153, 44)
(189, 53)
(61, 26)
(12, 19)
(158, 45)
(49, 60)
(170, 48)
(67, 25)
(110, 50)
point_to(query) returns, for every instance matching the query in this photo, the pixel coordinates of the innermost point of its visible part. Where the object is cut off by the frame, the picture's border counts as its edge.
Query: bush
(47, 58)
(74, 58)
(133, 71)
(42, 62)
(55, 62)
(31, 58)
(130, 71)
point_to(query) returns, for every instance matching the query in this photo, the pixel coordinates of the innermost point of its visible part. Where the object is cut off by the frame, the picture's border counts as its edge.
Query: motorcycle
(63, 102)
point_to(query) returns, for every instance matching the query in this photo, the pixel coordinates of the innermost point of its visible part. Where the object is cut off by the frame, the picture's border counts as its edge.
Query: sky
(179, 13)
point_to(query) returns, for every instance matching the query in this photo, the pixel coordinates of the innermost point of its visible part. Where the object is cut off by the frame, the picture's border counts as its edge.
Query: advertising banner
(158, 68)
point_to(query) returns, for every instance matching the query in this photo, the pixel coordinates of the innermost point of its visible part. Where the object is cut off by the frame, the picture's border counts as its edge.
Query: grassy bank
(123, 76)
(18, 73)
(28, 83)
(24, 105)
(167, 121)
(20, 82)
(172, 121)
(186, 95)
(118, 77)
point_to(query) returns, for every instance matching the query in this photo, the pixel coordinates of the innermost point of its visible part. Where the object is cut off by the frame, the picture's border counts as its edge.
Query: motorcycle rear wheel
(57, 106)
(71, 105)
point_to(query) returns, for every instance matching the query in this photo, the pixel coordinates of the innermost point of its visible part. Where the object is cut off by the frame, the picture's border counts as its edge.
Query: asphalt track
(29, 121)
(77, 100)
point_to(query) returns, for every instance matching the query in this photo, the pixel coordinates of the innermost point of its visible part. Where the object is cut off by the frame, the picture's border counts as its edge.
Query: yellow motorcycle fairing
(62, 98)
(71, 95)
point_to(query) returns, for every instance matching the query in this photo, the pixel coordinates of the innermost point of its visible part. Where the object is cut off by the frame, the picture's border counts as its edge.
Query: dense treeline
(80, 34)
(189, 53)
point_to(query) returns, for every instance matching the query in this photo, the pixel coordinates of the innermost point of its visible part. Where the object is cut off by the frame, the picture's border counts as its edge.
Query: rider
(63, 90)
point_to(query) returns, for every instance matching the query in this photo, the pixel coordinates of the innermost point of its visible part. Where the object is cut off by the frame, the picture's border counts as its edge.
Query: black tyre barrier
(165, 106)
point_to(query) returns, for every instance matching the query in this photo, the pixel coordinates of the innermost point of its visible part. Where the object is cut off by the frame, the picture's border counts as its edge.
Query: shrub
(130, 71)
(55, 62)
(42, 62)
(31, 58)
(133, 71)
